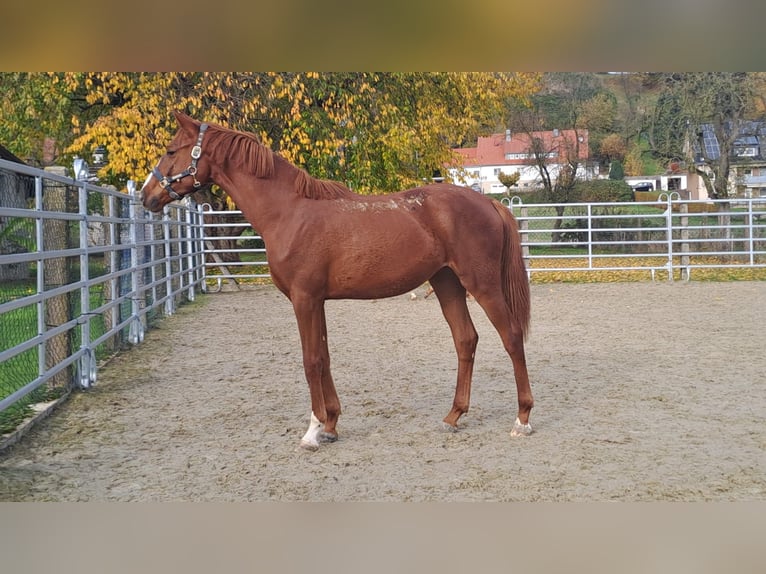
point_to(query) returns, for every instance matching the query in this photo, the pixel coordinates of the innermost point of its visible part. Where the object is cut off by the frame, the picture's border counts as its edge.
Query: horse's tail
(514, 273)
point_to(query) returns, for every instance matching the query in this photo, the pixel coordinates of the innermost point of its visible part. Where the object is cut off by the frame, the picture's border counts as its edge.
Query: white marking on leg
(310, 440)
(521, 429)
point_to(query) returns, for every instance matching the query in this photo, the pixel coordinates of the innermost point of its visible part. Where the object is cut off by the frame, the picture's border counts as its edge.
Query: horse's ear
(182, 118)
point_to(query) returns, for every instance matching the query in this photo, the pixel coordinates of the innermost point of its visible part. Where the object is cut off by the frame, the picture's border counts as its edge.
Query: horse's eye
(171, 151)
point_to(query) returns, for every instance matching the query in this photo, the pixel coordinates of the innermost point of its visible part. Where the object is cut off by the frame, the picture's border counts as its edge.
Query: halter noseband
(166, 181)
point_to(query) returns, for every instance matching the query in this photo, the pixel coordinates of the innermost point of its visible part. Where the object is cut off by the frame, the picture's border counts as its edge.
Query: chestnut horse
(326, 242)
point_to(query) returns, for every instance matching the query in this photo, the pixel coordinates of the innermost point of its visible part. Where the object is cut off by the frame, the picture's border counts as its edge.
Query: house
(675, 179)
(747, 169)
(509, 153)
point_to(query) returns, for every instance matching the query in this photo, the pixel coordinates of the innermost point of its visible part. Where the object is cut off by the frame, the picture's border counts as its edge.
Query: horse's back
(460, 213)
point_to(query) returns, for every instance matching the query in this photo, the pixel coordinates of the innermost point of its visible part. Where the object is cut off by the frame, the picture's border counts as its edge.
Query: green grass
(20, 325)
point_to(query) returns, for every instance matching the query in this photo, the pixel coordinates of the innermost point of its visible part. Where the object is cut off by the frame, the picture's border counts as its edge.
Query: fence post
(523, 226)
(189, 231)
(40, 228)
(589, 211)
(111, 318)
(749, 230)
(137, 301)
(153, 259)
(668, 232)
(525, 233)
(685, 269)
(87, 375)
(202, 247)
(169, 296)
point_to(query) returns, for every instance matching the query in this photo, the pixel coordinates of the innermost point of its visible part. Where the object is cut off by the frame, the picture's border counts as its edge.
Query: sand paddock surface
(644, 391)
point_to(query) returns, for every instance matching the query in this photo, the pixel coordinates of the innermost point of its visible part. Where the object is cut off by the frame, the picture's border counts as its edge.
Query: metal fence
(669, 238)
(666, 239)
(234, 251)
(84, 270)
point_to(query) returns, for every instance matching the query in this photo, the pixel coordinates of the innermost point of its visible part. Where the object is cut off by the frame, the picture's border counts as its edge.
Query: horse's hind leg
(329, 394)
(513, 341)
(451, 295)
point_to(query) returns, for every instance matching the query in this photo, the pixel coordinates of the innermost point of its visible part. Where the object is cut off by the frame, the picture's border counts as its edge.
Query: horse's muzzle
(150, 203)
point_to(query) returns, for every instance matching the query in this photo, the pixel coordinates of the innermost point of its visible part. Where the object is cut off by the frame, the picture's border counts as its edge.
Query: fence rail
(84, 270)
(671, 236)
(666, 239)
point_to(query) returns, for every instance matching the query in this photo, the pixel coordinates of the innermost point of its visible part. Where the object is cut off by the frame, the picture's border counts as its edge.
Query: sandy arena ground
(644, 391)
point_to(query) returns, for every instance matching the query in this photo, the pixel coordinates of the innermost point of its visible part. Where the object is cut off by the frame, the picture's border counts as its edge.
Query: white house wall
(529, 176)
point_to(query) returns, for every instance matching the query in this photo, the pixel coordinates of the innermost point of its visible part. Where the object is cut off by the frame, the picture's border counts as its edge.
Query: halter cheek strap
(167, 181)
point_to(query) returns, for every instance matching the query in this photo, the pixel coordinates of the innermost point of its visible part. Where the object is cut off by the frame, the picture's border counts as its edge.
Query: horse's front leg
(325, 405)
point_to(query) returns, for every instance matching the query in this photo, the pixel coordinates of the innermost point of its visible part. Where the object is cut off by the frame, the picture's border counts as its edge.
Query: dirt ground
(644, 391)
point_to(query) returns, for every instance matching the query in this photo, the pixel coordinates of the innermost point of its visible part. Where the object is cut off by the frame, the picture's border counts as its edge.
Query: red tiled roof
(492, 150)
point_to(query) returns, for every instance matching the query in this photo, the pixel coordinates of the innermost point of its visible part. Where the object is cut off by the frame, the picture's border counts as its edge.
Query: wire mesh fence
(84, 270)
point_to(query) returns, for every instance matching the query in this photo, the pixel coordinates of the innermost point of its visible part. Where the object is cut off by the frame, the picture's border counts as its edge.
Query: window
(746, 151)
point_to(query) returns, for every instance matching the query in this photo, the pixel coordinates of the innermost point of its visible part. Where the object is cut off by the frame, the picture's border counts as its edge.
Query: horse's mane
(313, 188)
(245, 151)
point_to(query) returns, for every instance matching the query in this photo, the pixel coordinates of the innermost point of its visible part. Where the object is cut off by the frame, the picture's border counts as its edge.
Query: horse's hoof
(309, 446)
(521, 429)
(448, 427)
(327, 437)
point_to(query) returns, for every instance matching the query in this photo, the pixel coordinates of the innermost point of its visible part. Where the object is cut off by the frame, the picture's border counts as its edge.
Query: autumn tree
(633, 112)
(375, 131)
(555, 160)
(613, 147)
(509, 179)
(33, 107)
(634, 163)
(569, 101)
(723, 100)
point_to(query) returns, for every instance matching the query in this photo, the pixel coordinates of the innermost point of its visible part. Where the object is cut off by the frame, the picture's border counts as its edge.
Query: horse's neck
(263, 201)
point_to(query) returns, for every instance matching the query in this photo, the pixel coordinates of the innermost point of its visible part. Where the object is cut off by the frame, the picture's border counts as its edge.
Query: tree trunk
(57, 309)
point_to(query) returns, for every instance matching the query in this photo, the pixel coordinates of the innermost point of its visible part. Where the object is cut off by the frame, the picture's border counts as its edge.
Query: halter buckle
(196, 152)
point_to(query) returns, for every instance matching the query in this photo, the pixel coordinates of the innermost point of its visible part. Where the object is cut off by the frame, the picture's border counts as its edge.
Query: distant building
(509, 153)
(747, 175)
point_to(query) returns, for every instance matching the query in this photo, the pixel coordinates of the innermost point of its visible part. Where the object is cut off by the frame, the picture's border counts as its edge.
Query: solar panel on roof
(712, 151)
(746, 140)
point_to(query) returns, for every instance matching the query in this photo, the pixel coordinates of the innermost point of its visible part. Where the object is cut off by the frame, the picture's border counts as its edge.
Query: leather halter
(166, 181)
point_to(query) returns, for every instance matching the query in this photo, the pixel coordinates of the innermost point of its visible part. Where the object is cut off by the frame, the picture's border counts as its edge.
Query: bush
(604, 190)
(615, 171)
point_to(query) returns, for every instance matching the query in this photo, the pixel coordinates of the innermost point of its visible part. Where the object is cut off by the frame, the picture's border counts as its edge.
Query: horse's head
(180, 171)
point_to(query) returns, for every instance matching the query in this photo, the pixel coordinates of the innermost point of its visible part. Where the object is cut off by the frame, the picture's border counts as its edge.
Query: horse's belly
(376, 271)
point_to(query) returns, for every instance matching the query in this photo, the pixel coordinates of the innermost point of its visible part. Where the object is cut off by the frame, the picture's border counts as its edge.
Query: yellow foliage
(374, 131)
